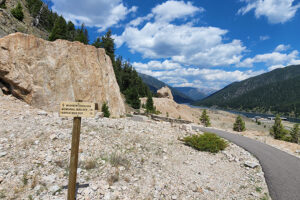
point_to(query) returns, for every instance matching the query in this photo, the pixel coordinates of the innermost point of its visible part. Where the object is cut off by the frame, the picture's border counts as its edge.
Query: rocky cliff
(43, 73)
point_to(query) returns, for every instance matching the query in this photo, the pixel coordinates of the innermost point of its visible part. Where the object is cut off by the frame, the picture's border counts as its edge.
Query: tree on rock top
(239, 124)
(17, 12)
(59, 30)
(205, 118)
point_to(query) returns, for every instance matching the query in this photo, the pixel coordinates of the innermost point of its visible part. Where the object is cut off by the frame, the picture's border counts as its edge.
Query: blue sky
(200, 43)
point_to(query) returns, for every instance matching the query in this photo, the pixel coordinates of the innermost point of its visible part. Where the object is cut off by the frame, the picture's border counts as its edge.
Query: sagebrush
(206, 142)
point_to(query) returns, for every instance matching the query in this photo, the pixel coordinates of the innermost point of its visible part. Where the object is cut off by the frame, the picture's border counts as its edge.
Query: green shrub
(277, 130)
(17, 12)
(3, 5)
(205, 118)
(295, 134)
(239, 124)
(105, 110)
(206, 142)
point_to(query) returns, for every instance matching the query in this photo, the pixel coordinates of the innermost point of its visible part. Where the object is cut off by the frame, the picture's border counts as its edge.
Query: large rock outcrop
(165, 92)
(43, 73)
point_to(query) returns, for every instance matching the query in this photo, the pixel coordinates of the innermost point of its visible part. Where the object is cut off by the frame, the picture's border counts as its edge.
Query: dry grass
(113, 178)
(117, 160)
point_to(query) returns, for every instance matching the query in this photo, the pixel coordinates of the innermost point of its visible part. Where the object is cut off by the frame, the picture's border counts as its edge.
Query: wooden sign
(76, 109)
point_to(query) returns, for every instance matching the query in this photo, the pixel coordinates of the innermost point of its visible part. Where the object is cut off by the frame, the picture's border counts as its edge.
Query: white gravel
(128, 160)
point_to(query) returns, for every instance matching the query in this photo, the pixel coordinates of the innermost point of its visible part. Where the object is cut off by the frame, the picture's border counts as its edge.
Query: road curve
(282, 170)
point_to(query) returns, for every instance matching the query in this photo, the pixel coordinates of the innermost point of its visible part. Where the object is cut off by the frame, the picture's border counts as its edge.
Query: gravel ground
(119, 159)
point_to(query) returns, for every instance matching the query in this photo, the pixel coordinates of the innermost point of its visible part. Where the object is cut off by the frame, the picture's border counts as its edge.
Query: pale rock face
(165, 92)
(44, 73)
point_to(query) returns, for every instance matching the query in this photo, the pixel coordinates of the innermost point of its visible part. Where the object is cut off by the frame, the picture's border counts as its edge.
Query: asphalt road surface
(282, 170)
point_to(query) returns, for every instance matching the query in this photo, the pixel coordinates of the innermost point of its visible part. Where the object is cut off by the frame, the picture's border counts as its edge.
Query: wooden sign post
(76, 110)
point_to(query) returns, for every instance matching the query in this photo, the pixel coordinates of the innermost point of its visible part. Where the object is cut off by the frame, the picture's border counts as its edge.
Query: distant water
(247, 114)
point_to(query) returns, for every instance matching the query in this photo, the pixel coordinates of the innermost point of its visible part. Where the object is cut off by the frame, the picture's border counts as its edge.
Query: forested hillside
(277, 91)
(155, 84)
(193, 93)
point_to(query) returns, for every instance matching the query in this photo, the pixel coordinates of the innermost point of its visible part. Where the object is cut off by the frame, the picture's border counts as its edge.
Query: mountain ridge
(155, 84)
(276, 91)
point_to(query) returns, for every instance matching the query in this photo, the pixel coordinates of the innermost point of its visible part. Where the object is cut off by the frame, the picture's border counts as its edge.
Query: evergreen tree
(239, 124)
(17, 12)
(277, 130)
(59, 30)
(97, 43)
(105, 110)
(82, 35)
(132, 98)
(205, 118)
(295, 134)
(149, 104)
(108, 45)
(71, 31)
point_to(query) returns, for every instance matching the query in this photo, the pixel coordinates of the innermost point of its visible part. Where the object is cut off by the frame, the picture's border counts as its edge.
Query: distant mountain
(193, 93)
(277, 91)
(155, 84)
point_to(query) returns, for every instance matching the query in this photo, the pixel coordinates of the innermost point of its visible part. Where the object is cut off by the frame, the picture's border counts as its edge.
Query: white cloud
(282, 47)
(170, 10)
(193, 77)
(274, 58)
(93, 13)
(156, 65)
(276, 11)
(275, 67)
(264, 37)
(201, 46)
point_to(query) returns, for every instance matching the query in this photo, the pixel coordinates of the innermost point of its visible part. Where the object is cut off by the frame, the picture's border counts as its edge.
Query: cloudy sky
(200, 43)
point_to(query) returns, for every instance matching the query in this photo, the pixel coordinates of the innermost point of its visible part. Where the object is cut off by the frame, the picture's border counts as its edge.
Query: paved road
(282, 170)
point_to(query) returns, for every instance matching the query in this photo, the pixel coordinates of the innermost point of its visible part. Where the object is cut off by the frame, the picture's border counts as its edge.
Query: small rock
(174, 197)
(53, 189)
(41, 112)
(2, 154)
(297, 151)
(53, 136)
(251, 164)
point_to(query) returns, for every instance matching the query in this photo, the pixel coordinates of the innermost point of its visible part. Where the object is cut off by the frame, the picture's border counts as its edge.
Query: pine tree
(132, 98)
(59, 30)
(71, 31)
(17, 12)
(105, 110)
(82, 35)
(277, 130)
(108, 45)
(239, 124)
(149, 104)
(205, 118)
(97, 43)
(295, 134)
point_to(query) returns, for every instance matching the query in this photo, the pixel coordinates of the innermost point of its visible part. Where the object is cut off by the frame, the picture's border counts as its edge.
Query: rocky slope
(44, 73)
(119, 159)
(9, 24)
